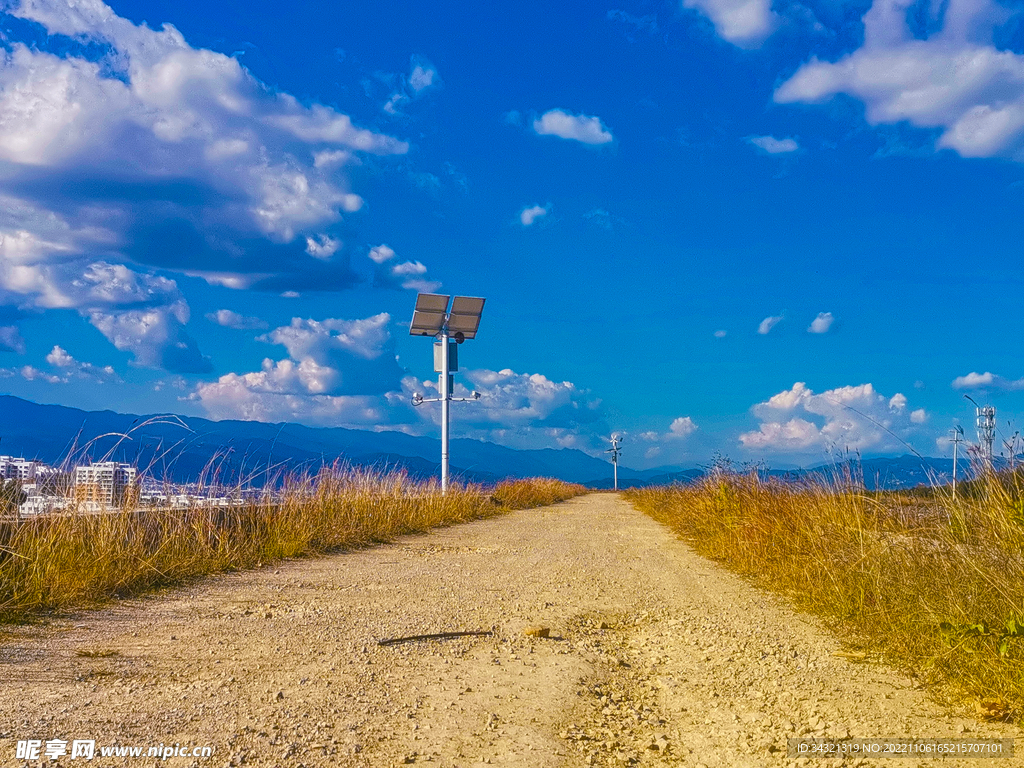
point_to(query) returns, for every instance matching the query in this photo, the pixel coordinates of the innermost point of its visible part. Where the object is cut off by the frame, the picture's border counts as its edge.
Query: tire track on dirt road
(656, 657)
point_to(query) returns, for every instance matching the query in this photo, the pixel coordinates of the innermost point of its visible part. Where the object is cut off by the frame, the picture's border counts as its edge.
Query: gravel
(651, 656)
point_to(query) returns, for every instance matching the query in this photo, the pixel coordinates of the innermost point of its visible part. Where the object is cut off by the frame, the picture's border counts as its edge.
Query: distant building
(106, 485)
(38, 504)
(12, 468)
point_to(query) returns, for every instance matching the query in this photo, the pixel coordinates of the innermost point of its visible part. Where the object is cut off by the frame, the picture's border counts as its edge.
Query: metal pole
(956, 442)
(446, 396)
(615, 464)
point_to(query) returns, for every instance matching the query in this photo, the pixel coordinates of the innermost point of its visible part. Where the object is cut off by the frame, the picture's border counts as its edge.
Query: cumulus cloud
(531, 213)
(336, 373)
(582, 128)
(230, 319)
(518, 409)
(129, 151)
(410, 275)
(721, 334)
(774, 146)
(144, 314)
(744, 23)
(322, 247)
(681, 427)
(285, 391)
(59, 358)
(949, 77)
(526, 410)
(766, 325)
(821, 323)
(798, 421)
(987, 380)
(381, 253)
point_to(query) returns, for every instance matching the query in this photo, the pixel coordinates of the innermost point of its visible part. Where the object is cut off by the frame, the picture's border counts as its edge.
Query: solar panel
(429, 315)
(465, 314)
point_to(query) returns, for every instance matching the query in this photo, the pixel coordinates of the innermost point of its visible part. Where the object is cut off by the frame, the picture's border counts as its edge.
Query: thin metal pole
(956, 442)
(446, 396)
(615, 464)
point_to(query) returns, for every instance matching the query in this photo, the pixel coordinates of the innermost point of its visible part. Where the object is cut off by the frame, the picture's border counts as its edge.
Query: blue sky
(772, 230)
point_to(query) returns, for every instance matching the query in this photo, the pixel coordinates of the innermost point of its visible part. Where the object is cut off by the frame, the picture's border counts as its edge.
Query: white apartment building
(105, 485)
(17, 468)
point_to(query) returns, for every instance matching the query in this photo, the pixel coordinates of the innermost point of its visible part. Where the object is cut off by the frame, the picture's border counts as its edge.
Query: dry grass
(536, 492)
(57, 562)
(932, 584)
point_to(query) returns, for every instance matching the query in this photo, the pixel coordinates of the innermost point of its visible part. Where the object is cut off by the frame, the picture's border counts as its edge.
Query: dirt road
(655, 657)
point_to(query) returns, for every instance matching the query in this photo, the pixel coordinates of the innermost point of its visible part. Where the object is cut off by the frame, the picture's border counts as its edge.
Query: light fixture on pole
(615, 451)
(450, 327)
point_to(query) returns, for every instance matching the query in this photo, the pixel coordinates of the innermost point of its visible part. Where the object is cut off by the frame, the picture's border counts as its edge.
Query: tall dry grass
(57, 562)
(928, 582)
(535, 492)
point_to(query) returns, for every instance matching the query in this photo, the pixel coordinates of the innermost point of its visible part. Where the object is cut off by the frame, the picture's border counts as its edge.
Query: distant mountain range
(184, 448)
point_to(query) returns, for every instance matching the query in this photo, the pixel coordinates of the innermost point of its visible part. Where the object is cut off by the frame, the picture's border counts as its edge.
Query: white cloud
(721, 334)
(410, 275)
(768, 323)
(336, 373)
(526, 410)
(423, 76)
(744, 23)
(520, 410)
(230, 319)
(59, 358)
(144, 314)
(10, 339)
(320, 339)
(531, 213)
(821, 323)
(582, 128)
(774, 146)
(381, 253)
(987, 380)
(859, 418)
(286, 391)
(953, 79)
(322, 247)
(134, 145)
(30, 373)
(681, 427)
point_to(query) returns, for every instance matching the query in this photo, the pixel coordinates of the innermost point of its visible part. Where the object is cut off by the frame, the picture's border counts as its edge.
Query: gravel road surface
(654, 657)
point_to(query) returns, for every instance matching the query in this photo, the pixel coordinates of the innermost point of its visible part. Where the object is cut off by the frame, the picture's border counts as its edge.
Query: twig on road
(438, 636)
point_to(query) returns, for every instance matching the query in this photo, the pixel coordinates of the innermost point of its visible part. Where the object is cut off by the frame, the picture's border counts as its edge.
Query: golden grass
(535, 492)
(929, 583)
(57, 562)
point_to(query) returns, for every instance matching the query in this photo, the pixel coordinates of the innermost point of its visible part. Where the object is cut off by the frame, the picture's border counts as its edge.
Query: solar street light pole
(445, 406)
(433, 318)
(615, 451)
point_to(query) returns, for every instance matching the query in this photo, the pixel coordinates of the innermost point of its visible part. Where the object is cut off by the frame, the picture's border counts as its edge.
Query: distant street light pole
(433, 318)
(615, 451)
(957, 437)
